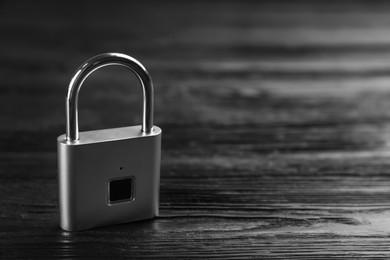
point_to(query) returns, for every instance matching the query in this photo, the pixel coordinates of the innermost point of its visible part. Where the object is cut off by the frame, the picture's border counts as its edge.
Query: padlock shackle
(95, 63)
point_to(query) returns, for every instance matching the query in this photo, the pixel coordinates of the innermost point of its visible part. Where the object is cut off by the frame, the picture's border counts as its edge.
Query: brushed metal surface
(87, 161)
(86, 165)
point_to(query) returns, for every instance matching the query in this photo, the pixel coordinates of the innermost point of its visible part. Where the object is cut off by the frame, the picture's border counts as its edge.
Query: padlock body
(88, 166)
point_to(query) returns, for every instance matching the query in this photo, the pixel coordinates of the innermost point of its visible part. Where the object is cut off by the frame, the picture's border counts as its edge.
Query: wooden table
(275, 119)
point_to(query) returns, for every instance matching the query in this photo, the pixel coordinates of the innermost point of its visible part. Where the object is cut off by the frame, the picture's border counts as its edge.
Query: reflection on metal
(95, 63)
(89, 162)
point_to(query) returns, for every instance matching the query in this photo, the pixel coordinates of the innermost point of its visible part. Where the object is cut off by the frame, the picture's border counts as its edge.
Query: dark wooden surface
(275, 118)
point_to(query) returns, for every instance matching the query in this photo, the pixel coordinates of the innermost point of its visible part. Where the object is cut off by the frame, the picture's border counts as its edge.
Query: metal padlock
(108, 176)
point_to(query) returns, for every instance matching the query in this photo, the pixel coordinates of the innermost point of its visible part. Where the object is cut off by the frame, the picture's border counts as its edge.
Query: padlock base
(87, 167)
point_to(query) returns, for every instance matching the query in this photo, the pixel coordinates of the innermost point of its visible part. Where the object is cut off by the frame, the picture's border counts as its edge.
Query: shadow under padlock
(108, 176)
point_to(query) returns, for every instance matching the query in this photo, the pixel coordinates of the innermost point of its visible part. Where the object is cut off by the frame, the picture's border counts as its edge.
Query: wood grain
(275, 119)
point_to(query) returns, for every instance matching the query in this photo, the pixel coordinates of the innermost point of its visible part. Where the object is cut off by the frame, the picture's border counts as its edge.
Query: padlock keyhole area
(121, 190)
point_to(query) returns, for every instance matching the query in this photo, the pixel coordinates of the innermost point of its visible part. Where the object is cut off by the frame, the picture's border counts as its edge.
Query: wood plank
(275, 119)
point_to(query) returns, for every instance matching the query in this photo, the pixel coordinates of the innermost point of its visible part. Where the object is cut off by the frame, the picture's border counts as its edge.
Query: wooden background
(275, 119)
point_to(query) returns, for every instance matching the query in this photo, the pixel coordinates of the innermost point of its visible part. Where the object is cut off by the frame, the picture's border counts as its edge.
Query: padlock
(108, 176)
